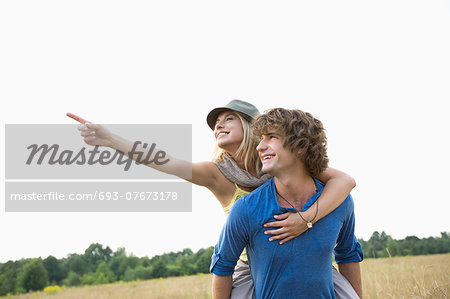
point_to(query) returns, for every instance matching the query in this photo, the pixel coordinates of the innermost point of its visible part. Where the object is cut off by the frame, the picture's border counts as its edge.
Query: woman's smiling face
(228, 131)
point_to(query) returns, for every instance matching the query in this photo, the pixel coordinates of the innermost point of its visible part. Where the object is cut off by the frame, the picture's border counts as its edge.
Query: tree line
(381, 245)
(99, 264)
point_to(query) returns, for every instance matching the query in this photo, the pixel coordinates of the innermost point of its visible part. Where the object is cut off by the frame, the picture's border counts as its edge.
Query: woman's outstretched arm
(337, 187)
(203, 173)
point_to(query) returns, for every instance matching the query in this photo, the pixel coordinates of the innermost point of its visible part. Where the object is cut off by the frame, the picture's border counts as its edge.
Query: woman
(236, 171)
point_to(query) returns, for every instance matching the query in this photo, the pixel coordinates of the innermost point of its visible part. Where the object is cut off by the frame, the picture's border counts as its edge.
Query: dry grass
(399, 277)
(425, 276)
(197, 286)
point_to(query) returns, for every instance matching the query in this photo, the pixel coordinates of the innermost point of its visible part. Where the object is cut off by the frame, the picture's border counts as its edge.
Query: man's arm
(348, 253)
(221, 288)
(352, 272)
(233, 239)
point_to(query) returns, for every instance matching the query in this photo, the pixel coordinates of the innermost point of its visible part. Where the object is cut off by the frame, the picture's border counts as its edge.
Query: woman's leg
(242, 282)
(342, 288)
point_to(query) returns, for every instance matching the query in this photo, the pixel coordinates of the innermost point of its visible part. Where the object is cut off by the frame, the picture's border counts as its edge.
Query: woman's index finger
(77, 118)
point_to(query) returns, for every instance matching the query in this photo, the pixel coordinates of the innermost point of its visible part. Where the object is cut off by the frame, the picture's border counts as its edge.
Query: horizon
(179, 250)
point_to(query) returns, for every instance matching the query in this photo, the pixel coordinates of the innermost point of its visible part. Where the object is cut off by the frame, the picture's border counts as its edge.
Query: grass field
(398, 277)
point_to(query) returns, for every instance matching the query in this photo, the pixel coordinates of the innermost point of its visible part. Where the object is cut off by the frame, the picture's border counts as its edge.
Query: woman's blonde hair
(247, 149)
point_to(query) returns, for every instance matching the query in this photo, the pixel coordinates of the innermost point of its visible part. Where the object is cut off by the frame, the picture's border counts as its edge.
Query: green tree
(186, 266)
(73, 279)
(145, 261)
(129, 275)
(159, 269)
(393, 247)
(104, 274)
(187, 252)
(88, 279)
(77, 264)
(411, 245)
(7, 282)
(55, 270)
(443, 243)
(142, 272)
(115, 263)
(203, 259)
(95, 254)
(119, 252)
(120, 263)
(33, 276)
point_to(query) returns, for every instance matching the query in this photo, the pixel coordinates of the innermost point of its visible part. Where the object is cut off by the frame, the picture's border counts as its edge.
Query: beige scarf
(241, 177)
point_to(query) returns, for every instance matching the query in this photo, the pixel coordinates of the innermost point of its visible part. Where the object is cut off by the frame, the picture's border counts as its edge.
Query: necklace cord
(308, 223)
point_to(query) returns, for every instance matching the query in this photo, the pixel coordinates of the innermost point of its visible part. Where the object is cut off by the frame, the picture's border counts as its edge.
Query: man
(293, 149)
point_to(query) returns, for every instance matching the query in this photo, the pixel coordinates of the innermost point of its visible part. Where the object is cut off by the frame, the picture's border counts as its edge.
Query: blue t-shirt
(300, 268)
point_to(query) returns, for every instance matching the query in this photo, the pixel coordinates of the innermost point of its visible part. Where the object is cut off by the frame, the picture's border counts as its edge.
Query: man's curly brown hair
(301, 131)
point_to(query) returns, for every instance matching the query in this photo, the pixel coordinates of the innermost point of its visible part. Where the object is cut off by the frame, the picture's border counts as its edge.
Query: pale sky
(375, 73)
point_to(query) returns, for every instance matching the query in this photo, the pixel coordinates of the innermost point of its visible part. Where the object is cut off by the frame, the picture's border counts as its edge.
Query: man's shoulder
(345, 209)
(348, 202)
